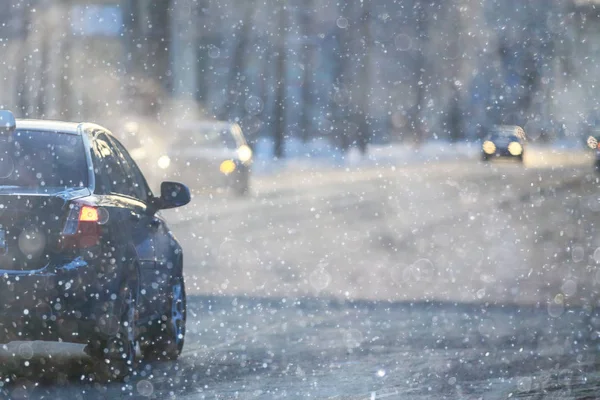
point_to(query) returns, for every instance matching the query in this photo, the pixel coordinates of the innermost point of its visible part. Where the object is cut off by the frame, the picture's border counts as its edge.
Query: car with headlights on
(212, 156)
(85, 255)
(504, 141)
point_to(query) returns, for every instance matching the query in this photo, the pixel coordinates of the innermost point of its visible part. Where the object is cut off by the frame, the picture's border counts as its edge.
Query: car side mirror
(173, 194)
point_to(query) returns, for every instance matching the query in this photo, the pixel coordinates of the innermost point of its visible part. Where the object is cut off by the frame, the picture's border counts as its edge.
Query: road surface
(453, 280)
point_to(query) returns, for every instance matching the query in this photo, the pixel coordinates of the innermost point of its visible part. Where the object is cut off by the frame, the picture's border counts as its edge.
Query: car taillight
(82, 229)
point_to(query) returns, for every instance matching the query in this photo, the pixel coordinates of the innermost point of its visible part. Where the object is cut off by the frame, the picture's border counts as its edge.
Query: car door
(155, 274)
(121, 191)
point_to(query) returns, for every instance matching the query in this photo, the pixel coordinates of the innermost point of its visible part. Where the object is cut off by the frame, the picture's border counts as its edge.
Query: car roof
(506, 127)
(48, 125)
(508, 130)
(204, 124)
(72, 128)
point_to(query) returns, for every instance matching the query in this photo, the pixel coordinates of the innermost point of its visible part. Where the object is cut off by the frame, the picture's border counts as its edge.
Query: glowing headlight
(132, 127)
(515, 148)
(489, 147)
(164, 162)
(227, 167)
(244, 153)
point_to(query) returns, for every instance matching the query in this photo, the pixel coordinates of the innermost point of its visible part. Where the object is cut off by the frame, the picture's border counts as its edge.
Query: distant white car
(213, 155)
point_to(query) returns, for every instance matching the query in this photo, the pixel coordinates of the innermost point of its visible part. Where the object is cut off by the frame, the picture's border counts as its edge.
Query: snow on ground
(319, 154)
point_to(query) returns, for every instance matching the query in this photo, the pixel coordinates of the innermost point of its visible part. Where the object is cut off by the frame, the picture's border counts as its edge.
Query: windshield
(208, 137)
(508, 135)
(41, 161)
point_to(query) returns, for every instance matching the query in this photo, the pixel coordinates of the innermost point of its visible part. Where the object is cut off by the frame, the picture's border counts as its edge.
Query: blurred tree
(454, 116)
(419, 71)
(307, 10)
(340, 96)
(279, 119)
(361, 115)
(236, 80)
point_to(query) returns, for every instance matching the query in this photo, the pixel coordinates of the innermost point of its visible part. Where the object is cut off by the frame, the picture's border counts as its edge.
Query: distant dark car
(85, 255)
(504, 141)
(212, 156)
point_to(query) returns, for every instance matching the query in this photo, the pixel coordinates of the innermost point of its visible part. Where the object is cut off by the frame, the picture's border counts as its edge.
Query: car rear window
(42, 161)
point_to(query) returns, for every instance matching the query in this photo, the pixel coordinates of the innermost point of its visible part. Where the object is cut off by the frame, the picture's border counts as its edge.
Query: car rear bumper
(67, 302)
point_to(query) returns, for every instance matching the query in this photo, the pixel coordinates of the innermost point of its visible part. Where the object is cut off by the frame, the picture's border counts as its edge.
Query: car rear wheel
(115, 355)
(165, 341)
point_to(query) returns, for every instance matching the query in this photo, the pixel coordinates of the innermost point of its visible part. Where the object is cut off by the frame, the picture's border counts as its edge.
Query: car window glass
(139, 186)
(110, 174)
(101, 172)
(209, 136)
(42, 161)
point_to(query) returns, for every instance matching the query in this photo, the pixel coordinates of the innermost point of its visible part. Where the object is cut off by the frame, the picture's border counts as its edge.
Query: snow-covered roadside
(319, 153)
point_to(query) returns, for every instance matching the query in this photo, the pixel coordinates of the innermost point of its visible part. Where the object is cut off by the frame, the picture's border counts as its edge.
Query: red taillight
(81, 227)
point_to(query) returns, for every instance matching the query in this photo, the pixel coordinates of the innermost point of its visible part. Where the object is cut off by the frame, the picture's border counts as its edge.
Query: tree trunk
(279, 112)
(363, 133)
(307, 61)
(238, 66)
(421, 86)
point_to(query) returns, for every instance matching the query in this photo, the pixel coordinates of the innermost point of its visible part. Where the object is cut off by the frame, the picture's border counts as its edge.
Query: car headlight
(244, 153)
(227, 167)
(515, 148)
(164, 162)
(489, 147)
(132, 127)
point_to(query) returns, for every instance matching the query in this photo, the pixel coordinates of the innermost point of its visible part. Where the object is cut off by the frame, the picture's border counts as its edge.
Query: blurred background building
(352, 72)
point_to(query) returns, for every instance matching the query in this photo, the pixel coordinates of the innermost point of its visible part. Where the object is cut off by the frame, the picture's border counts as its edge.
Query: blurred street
(486, 287)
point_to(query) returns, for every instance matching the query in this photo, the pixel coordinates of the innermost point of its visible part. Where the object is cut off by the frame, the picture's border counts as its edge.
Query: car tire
(115, 355)
(241, 183)
(165, 340)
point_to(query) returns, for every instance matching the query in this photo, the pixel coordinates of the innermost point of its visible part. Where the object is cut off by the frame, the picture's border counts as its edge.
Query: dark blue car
(504, 141)
(85, 255)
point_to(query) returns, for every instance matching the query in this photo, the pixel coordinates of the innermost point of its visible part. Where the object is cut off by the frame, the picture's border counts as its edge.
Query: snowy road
(447, 280)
